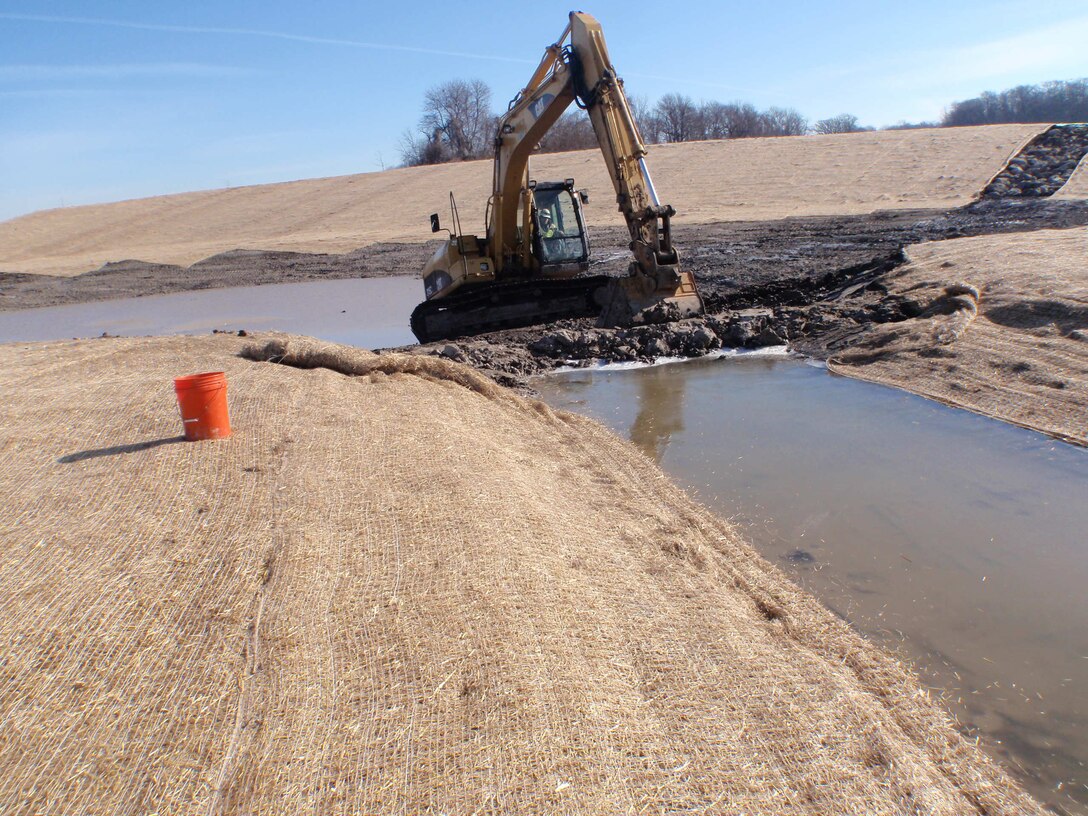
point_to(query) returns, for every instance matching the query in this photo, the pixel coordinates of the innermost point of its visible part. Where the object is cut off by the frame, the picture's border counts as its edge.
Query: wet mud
(810, 282)
(816, 283)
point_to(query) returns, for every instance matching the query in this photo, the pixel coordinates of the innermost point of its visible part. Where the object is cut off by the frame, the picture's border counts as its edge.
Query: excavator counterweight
(530, 266)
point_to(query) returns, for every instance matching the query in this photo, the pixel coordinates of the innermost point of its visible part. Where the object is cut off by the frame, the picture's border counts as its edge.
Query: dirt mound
(1000, 327)
(408, 591)
(738, 179)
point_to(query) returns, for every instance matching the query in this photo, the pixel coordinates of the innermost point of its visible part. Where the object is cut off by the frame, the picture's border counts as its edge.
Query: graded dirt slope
(1077, 186)
(1004, 331)
(740, 179)
(408, 591)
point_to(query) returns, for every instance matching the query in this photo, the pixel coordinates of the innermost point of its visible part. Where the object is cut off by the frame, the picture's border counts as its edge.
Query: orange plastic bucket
(202, 400)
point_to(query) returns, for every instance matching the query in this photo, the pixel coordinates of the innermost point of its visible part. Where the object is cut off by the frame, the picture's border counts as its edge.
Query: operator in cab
(546, 224)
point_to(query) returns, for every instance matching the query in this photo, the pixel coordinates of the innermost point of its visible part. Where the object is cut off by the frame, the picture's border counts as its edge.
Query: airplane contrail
(250, 32)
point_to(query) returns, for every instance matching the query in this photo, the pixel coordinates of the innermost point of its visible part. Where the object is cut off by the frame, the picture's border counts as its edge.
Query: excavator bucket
(638, 299)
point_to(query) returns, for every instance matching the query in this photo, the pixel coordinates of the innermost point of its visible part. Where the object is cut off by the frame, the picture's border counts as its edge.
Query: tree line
(1059, 101)
(457, 123)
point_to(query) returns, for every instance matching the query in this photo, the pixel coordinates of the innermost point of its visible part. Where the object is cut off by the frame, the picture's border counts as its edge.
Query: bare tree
(678, 118)
(457, 123)
(905, 125)
(784, 122)
(744, 121)
(714, 120)
(419, 148)
(843, 123)
(572, 131)
(1058, 101)
(649, 126)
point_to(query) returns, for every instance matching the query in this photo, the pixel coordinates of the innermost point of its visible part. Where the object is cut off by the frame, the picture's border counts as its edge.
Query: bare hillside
(733, 180)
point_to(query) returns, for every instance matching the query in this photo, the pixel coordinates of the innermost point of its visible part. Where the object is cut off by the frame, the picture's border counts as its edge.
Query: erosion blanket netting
(1077, 186)
(707, 182)
(1003, 329)
(408, 591)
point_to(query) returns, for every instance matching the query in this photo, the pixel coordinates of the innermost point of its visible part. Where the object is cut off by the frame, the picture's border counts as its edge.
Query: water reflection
(956, 540)
(660, 412)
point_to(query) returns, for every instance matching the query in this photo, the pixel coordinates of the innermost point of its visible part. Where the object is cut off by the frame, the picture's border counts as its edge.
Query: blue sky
(102, 100)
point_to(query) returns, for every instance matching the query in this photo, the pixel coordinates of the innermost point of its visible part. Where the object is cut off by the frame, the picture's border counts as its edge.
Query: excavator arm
(582, 71)
(655, 281)
(530, 116)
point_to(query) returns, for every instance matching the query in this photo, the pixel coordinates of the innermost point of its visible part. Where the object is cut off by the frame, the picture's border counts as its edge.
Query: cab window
(557, 227)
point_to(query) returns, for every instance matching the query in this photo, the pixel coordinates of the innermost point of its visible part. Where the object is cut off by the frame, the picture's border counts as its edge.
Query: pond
(956, 540)
(367, 312)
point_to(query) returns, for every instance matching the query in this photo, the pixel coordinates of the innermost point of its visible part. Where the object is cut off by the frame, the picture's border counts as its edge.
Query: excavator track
(493, 306)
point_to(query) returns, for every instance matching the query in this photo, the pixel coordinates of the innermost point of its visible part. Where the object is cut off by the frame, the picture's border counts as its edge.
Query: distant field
(746, 179)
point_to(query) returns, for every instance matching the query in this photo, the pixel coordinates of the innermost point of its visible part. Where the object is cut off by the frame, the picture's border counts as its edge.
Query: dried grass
(409, 591)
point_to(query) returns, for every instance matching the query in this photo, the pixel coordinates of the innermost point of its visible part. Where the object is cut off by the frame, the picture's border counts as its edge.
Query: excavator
(528, 268)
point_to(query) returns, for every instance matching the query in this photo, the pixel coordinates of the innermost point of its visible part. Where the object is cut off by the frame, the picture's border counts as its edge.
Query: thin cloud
(250, 32)
(1056, 48)
(35, 73)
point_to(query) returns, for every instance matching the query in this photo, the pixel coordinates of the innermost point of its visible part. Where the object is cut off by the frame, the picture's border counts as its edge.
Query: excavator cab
(560, 243)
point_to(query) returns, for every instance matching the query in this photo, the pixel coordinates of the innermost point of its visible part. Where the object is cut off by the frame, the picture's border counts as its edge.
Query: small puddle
(956, 540)
(365, 312)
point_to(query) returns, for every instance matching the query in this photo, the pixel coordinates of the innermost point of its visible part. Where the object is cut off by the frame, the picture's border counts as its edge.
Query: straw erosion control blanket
(401, 588)
(707, 182)
(1001, 329)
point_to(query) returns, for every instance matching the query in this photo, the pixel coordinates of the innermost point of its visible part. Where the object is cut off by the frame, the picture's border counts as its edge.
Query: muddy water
(372, 313)
(956, 540)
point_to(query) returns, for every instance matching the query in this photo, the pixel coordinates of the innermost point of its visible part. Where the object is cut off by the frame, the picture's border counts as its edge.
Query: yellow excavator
(526, 269)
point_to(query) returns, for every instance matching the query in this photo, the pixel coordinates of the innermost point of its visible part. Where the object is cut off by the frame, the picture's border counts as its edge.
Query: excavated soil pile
(408, 590)
(998, 325)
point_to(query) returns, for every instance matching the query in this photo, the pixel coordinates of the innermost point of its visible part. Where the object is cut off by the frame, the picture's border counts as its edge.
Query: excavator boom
(520, 272)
